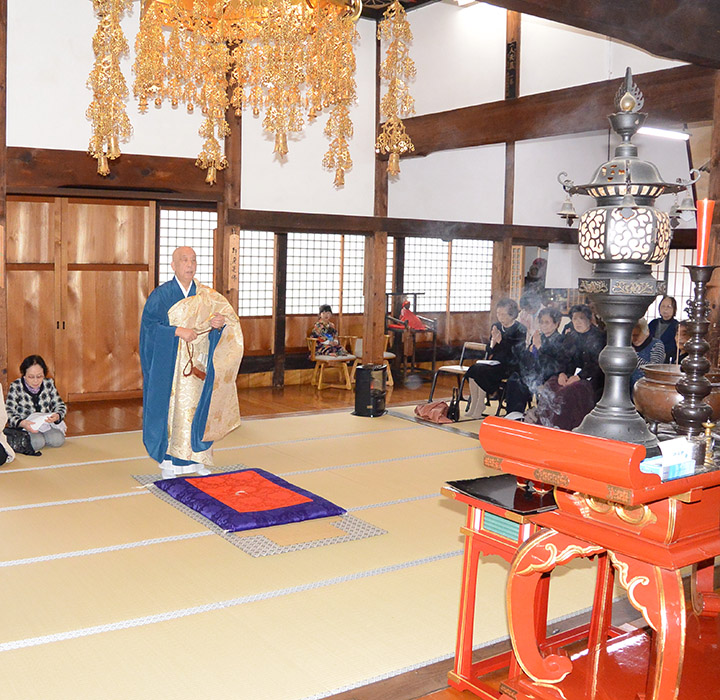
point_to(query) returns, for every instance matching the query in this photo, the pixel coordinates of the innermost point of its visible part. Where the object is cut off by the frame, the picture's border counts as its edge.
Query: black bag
(19, 440)
(453, 412)
(3, 455)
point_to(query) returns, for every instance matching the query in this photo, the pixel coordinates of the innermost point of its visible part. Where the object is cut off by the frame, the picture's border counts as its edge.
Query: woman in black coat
(665, 327)
(565, 399)
(507, 345)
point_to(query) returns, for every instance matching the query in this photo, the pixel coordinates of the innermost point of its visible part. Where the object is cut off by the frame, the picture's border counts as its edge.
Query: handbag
(19, 440)
(453, 412)
(435, 412)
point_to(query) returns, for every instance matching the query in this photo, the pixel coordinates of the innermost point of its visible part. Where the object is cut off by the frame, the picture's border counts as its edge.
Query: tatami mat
(112, 593)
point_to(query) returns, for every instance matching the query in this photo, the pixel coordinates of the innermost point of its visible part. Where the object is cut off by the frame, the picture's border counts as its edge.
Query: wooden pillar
(226, 237)
(279, 318)
(376, 249)
(374, 318)
(502, 250)
(713, 295)
(3, 195)
(512, 55)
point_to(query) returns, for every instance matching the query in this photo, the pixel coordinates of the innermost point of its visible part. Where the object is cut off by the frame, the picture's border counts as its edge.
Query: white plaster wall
(460, 185)
(459, 53)
(300, 183)
(49, 58)
(555, 56)
(539, 196)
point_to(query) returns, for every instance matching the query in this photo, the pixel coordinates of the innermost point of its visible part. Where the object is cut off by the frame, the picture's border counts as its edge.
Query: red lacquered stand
(637, 527)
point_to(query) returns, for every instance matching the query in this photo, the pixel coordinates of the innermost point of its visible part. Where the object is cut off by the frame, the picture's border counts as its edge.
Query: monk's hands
(217, 321)
(186, 334)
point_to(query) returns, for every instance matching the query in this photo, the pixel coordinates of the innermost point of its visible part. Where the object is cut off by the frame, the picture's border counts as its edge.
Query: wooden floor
(96, 417)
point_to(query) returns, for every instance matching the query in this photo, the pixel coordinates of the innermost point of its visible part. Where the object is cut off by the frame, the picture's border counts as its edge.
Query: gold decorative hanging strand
(398, 69)
(290, 59)
(110, 122)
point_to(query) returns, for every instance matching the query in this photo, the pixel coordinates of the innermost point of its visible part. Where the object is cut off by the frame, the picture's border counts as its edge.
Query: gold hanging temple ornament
(291, 59)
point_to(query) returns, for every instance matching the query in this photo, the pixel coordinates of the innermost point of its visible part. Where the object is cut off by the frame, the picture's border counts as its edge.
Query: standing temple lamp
(622, 236)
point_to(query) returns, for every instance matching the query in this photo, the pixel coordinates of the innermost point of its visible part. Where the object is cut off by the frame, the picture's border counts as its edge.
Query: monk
(191, 345)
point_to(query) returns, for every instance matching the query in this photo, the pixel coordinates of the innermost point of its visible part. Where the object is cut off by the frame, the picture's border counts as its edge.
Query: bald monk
(191, 345)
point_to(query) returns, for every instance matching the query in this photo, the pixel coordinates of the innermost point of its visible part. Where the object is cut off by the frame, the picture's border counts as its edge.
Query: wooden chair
(339, 362)
(356, 349)
(458, 370)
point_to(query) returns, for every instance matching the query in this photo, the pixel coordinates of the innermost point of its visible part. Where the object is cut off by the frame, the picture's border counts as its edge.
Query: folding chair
(458, 370)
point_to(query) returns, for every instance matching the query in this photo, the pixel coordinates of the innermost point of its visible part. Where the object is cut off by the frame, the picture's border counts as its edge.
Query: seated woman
(565, 399)
(545, 349)
(649, 350)
(326, 333)
(506, 348)
(35, 392)
(665, 327)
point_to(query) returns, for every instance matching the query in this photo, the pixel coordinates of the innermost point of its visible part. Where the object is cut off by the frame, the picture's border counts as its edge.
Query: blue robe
(158, 354)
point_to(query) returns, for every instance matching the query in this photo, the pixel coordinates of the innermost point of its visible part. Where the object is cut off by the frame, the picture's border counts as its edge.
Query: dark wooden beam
(258, 220)
(672, 98)
(279, 315)
(44, 171)
(685, 31)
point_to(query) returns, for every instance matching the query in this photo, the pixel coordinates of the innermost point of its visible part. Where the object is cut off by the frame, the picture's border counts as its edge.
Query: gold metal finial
(628, 97)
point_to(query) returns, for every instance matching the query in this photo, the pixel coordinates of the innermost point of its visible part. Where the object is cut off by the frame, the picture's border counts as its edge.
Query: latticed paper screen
(426, 271)
(353, 274)
(256, 273)
(470, 275)
(313, 272)
(187, 227)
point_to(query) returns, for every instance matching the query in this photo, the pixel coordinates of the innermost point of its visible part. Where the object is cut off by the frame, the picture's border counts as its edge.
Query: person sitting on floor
(35, 392)
(665, 327)
(565, 399)
(649, 350)
(505, 350)
(326, 333)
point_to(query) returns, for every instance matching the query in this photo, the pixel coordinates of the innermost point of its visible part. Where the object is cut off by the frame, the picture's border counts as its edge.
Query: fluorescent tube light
(664, 133)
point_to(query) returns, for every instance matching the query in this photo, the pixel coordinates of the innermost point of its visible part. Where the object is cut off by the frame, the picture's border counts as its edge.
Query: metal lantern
(622, 236)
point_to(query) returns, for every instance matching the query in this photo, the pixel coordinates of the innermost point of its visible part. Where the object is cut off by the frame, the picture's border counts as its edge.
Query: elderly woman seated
(649, 350)
(33, 404)
(566, 398)
(325, 333)
(505, 352)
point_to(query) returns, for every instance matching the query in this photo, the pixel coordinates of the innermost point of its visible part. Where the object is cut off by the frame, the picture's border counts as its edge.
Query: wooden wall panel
(258, 333)
(103, 329)
(31, 230)
(109, 232)
(31, 318)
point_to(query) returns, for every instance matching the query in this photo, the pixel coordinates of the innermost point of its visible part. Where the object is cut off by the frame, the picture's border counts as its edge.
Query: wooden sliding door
(98, 276)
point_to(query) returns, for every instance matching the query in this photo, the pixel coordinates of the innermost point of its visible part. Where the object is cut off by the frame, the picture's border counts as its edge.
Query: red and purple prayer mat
(247, 499)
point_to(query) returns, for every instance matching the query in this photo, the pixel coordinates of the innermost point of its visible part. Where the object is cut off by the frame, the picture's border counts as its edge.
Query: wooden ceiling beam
(73, 173)
(673, 97)
(684, 31)
(295, 222)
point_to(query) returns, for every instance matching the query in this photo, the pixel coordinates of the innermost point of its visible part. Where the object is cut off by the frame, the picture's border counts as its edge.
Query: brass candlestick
(693, 410)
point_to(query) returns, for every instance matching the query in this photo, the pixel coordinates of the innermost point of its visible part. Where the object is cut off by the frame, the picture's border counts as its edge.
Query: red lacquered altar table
(637, 527)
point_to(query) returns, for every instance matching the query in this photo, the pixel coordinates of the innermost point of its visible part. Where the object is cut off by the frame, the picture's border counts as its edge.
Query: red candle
(704, 219)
